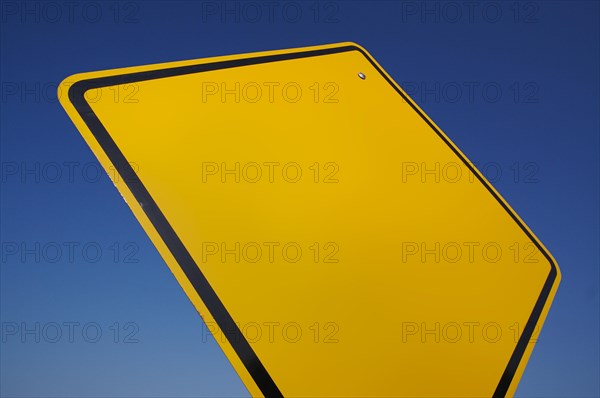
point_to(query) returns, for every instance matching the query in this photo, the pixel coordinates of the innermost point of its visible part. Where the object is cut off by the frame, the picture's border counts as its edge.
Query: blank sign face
(334, 240)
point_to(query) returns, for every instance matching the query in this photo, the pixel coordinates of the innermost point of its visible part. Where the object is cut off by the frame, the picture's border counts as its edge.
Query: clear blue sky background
(543, 56)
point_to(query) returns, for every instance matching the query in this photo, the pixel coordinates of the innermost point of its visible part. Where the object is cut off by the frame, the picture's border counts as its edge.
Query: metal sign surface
(333, 238)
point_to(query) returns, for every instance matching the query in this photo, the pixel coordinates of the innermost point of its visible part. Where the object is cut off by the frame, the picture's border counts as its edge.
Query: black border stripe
(203, 288)
(515, 359)
(178, 250)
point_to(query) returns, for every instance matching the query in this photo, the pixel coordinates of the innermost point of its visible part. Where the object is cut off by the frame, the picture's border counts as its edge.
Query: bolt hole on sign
(333, 238)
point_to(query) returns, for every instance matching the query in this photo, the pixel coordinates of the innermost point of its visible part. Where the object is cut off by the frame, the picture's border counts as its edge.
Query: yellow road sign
(333, 238)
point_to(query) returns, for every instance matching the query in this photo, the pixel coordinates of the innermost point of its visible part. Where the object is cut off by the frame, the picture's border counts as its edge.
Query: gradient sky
(514, 84)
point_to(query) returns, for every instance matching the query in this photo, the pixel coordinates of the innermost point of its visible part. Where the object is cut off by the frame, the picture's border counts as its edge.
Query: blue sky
(514, 84)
